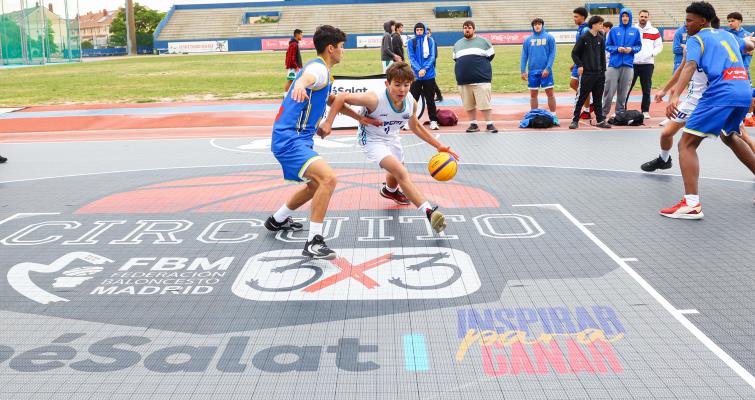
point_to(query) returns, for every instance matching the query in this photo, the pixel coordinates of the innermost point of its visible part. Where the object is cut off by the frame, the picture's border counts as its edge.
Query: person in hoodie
(580, 19)
(293, 58)
(680, 42)
(644, 61)
(536, 66)
(589, 56)
(623, 42)
(735, 28)
(387, 56)
(421, 51)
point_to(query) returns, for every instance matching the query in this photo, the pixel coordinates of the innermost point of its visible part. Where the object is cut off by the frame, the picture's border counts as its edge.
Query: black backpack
(627, 118)
(541, 121)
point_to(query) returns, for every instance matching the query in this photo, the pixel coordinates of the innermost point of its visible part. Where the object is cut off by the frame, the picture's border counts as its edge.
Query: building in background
(95, 27)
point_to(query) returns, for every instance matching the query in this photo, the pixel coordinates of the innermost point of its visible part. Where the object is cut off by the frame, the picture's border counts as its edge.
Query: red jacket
(293, 56)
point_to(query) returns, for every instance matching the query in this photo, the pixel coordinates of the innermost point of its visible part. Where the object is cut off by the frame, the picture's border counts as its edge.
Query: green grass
(234, 76)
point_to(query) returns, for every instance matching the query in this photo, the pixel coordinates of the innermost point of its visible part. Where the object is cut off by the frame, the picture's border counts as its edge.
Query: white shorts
(685, 110)
(377, 151)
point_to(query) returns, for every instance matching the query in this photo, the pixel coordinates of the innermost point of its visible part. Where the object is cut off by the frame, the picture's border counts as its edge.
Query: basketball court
(135, 266)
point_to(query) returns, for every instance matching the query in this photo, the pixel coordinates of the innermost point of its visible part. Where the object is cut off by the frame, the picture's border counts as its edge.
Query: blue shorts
(295, 159)
(575, 73)
(711, 121)
(536, 81)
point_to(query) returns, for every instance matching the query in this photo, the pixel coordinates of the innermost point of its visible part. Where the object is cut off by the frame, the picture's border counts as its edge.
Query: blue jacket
(414, 48)
(538, 52)
(680, 38)
(740, 35)
(624, 35)
(525, 123)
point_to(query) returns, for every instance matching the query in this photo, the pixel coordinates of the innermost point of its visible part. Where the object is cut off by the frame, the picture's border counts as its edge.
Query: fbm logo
(197, 245)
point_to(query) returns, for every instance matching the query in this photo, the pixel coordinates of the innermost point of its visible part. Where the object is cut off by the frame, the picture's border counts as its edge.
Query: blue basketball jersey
(298, 121)
(718, 54)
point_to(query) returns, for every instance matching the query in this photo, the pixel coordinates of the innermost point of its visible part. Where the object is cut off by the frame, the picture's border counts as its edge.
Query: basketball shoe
(683, 211)
(398, 196)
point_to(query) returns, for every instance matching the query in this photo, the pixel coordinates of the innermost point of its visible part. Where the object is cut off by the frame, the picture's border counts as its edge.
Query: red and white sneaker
(683, 211)
(398, 196)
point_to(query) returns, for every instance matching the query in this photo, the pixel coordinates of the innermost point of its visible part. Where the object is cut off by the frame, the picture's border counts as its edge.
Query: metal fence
(39, 31)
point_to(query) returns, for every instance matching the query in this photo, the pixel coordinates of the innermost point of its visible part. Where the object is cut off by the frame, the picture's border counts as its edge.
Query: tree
(146, 23)
(87, 45)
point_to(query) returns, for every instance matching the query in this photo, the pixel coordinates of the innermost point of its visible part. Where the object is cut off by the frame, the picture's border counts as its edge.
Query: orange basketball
(442, 167)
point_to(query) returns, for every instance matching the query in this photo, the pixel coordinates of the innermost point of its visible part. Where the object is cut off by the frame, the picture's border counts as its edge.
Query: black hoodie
(590, 53)
(386, 54)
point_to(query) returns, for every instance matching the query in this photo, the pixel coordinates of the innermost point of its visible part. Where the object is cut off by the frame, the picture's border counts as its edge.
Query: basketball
(442, 167)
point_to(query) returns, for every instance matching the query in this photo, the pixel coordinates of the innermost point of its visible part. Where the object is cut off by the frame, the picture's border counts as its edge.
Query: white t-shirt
(320, 72)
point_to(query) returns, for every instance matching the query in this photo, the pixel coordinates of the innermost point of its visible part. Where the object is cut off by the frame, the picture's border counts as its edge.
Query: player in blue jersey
(721, 109)
(293, 138)
(580, 19)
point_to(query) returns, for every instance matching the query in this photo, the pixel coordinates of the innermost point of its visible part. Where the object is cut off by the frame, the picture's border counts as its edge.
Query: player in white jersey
(382, 145)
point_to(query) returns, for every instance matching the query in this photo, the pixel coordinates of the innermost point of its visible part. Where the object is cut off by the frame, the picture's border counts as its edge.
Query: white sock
(692, 199)
(473, 122)
(489, 122)
(425, 206)
(282, 213)
(390, 189)
(665, 154)
(315, 228)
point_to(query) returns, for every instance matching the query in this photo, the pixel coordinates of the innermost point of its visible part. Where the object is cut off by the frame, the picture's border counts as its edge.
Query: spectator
(293, 58)
(622, 43)
(474, 73)
(397, 41)
(438, 94)
(606, 30)
(680, 43)
(538, 54)
(580, 18)
(387, 56)
(735, 28)
(421, 50)
(644, 61)
(589, 56)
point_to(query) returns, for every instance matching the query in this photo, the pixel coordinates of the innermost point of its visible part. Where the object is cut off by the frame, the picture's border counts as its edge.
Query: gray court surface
(141, 270)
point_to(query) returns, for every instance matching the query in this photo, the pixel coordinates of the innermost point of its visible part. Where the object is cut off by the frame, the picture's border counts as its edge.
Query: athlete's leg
(533, 99)
(741, 149)
(746, 137)
(397, 171)
(667, 134)
(551, 99)
(688, 161)
(325, 181)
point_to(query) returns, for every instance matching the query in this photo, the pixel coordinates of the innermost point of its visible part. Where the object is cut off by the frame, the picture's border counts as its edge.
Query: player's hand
(683, 45)
(524, 76)
(545, 73)
(396, 58)
(447, 149)
(671, 108)
(659, 96)
(324, 129)
(299, 94)
(370, 121)
(422, 73)
(580, 70)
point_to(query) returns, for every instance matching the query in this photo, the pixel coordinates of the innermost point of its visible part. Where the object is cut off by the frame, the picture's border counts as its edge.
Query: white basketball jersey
(392, 119)
(696, 88)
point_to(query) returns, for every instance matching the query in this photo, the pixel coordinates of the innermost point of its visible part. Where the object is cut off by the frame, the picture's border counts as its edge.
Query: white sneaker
(646, 115)
(434, 125)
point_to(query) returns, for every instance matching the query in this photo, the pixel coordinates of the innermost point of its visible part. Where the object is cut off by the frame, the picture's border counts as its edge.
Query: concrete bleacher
(217, 23)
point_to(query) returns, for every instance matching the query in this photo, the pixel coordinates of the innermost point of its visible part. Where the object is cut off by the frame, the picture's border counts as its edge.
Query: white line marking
(363, 163)
(690, 311)
(23, 215)
(711, 345)
(588, 224)
(628, 259)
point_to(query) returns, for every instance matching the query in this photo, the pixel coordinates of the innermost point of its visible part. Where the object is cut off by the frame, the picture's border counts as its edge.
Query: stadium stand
(226, 21)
